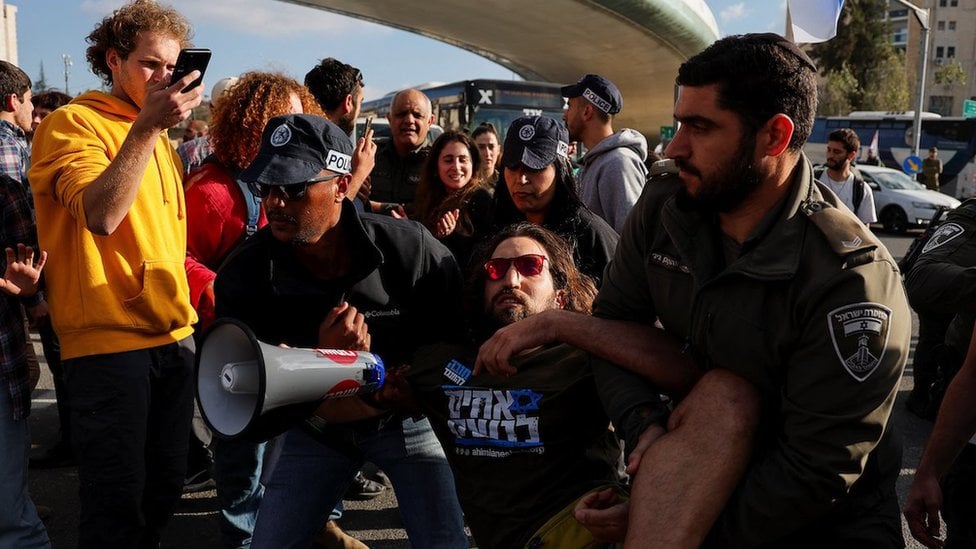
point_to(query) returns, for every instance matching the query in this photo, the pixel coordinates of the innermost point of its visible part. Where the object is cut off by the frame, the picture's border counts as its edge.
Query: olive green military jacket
(943, 280)
(812, 313)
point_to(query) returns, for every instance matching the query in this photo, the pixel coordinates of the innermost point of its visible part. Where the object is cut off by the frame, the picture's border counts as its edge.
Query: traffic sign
(667, 133)
(912, 165)
(969, 108)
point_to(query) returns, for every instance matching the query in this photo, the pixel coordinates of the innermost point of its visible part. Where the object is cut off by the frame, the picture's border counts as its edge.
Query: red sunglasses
(526, 265)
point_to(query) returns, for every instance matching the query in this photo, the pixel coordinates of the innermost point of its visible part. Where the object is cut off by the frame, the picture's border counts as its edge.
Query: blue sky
(271, 35)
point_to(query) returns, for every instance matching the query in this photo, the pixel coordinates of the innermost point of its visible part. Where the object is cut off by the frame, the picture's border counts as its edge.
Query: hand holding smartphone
(367, 126)
(189, 60)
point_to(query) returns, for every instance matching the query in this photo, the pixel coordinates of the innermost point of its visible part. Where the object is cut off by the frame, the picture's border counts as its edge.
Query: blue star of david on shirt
(524, 400)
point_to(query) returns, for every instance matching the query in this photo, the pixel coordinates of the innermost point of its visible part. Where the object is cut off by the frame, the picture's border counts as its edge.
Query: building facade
(8, 33)
(952, 39)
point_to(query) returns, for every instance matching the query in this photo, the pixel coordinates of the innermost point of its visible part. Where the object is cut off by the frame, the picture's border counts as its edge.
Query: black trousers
(52, 354)
(130, 421)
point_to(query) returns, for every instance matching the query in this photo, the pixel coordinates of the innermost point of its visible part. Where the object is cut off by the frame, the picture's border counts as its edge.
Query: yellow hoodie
(128, 290)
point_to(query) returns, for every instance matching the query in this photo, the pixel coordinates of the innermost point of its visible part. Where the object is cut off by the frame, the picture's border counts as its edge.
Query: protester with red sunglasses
(523, 448)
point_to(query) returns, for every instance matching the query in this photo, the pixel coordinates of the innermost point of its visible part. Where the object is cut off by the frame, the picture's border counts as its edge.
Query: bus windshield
(503, 118)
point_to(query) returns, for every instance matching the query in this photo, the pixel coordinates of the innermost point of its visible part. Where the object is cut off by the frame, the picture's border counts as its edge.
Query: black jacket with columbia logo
(403, 280)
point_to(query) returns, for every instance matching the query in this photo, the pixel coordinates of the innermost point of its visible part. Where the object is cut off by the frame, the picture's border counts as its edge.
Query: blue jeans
(237, 473)
(19, 525)
(310, 478)
(240, 470)
(130, 425)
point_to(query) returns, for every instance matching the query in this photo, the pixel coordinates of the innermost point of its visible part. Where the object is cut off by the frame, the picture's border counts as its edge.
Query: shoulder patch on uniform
(859, 332)
(943, 235)
(844, 232)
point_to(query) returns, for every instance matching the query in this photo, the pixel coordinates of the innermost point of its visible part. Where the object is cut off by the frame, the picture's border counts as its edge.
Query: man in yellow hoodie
(110, 209)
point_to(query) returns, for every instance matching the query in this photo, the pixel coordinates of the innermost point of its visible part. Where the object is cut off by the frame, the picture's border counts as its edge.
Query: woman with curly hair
(453, 200)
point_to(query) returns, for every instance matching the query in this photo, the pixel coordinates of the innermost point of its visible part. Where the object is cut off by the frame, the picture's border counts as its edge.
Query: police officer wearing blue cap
(540, 188)
(321, 275)
(613, 171)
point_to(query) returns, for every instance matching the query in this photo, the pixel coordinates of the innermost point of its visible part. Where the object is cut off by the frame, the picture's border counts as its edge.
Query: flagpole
(922, 14)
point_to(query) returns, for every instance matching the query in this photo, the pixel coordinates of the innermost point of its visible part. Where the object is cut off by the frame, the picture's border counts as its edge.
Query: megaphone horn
(242, 381)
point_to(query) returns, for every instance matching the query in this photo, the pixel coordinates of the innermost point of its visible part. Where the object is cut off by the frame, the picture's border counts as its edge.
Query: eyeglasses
(526, 265)
(294, 191)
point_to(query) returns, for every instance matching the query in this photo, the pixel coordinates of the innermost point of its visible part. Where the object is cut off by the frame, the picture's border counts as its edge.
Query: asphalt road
(377, 522)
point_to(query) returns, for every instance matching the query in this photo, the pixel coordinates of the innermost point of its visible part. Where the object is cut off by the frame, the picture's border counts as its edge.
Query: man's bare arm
(641, 348)
(108, 198)
(955, 424)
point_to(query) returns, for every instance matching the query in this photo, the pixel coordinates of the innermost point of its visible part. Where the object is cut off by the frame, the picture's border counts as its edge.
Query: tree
(950, 74)
(862, 51)
(886, 88)
(40, 85)
(836, 90)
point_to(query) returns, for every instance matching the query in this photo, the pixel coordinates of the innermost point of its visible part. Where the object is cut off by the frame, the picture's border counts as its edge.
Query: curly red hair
(245, 108)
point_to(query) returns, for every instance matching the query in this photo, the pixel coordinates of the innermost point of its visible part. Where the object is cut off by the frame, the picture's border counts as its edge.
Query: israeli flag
(813, 20)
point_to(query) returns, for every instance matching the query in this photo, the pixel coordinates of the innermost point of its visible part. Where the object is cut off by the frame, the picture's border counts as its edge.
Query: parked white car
(900, 201)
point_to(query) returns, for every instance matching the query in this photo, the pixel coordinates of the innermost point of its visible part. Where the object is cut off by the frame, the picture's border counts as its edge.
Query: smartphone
(189, 60)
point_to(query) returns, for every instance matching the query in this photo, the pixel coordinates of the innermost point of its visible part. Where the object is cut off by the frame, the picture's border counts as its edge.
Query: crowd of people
(705, 354)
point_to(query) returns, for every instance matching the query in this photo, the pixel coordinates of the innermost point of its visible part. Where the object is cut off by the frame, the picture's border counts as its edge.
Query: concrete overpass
(636, 43)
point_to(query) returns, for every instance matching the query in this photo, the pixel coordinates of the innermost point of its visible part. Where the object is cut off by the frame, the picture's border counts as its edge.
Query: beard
(574, 130)
(347, 123)
(498, 317)
(510, 315)
(303, 235)
(835, 165)
(730, 186)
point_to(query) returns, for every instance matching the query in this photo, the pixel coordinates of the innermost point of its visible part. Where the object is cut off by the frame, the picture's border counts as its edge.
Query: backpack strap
(253, 204)
(857, 192)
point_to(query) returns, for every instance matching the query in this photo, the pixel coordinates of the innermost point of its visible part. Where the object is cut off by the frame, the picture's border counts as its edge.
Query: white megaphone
(245, 385)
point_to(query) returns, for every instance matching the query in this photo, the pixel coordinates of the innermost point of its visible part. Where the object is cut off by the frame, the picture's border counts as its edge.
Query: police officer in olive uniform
(753, 272)
(812, 313)
(944, 281)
